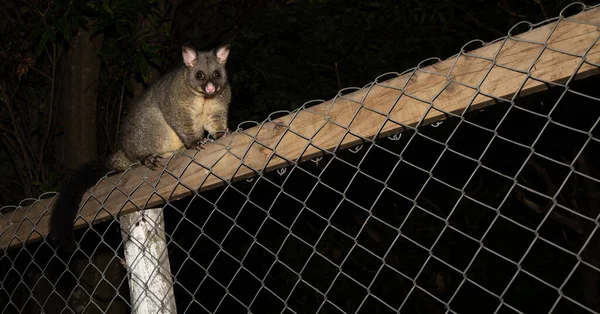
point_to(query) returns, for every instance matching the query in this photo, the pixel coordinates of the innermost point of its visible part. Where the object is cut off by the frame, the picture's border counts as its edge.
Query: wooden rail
(254, 148)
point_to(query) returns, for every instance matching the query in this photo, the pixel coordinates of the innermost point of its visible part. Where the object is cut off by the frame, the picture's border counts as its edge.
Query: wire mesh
(488, 211)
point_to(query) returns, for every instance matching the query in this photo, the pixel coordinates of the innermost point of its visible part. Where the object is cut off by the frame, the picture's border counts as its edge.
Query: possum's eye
(216, 74)
(200, 75)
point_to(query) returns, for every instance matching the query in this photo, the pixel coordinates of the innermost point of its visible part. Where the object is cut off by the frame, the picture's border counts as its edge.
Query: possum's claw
(200, 144)
(203, 141)
(153, 161)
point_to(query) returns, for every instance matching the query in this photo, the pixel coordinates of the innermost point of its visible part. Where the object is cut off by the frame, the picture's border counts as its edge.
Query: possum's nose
(210, 88)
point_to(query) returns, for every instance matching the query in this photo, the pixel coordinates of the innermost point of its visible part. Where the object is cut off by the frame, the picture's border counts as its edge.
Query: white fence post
(146, 257)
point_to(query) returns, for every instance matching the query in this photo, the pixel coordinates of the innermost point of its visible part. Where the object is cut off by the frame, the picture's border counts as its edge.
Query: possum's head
(206, 69)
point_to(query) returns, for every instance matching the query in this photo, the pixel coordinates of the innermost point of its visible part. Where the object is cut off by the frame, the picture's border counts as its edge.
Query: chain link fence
(494, 209)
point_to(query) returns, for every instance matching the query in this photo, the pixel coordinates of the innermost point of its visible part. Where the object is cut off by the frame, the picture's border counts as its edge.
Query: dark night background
(71, 69)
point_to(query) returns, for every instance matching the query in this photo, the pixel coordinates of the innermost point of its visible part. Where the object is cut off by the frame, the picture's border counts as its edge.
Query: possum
(173, 113)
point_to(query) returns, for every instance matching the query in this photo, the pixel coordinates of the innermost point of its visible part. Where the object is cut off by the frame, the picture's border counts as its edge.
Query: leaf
(442, 18)
(141, 65)
(42, 44)
(63, 26)
(23, 67)
(107, 8)
(157, 12)
(144, 45)
(38, 31)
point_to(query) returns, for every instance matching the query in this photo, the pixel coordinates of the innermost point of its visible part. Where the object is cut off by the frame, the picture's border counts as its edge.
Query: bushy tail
(67, 203)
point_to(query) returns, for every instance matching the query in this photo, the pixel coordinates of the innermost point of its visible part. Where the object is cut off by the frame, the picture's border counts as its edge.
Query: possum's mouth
(209, 89)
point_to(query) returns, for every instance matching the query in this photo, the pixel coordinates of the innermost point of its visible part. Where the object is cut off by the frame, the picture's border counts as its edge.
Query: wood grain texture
(343, 122)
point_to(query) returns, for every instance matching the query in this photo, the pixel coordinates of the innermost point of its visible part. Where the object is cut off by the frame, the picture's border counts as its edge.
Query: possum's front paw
(153, 161)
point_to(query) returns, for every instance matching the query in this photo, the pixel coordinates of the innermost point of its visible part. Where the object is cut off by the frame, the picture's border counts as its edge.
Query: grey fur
(176, 111)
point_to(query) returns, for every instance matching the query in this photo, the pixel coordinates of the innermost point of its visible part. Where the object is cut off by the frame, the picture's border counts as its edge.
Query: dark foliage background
(284, 54)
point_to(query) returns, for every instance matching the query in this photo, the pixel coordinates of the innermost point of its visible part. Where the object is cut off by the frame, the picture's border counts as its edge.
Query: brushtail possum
(173, 113)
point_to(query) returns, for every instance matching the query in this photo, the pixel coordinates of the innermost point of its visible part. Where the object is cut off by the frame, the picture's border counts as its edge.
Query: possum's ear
(189, 55)
(222, 52)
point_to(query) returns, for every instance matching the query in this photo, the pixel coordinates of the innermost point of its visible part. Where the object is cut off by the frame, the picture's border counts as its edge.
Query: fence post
(146, 257)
